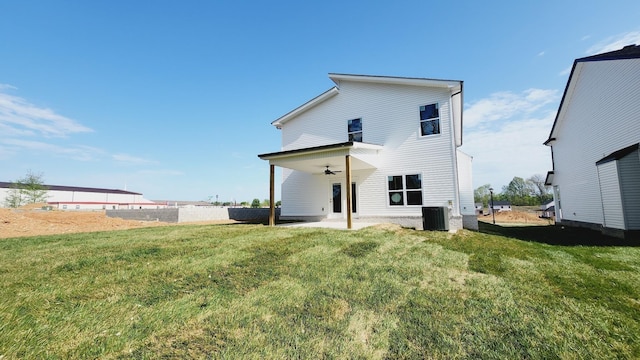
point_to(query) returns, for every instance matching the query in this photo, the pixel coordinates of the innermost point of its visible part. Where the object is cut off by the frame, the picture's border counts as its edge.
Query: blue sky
(174, 99)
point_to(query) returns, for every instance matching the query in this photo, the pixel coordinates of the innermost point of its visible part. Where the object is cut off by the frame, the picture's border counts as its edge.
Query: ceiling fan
(330, 172)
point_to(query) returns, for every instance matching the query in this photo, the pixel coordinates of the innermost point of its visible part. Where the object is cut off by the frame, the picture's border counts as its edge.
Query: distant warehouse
(84, 198)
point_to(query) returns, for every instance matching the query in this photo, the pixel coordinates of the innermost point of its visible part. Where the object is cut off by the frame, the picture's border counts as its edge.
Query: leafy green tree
(278, 203)
(540, 190)
(519, 192)
(244, 204)
(265, 203)
(27, 190)
(255, 203)
(14, 198)
(482, 195)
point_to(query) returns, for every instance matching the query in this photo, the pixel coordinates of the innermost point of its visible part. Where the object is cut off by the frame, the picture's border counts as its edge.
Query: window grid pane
(429, 112)
(414, 181)
(395, 183)
(430, 127)
(355, 137)
(396, 198)
(414, 197)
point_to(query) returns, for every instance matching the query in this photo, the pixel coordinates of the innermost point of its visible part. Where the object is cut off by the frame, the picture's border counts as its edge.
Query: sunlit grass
(247, 291)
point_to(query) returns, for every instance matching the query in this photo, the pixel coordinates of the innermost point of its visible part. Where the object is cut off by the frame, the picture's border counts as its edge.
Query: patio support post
(272, 200)
(349, 207)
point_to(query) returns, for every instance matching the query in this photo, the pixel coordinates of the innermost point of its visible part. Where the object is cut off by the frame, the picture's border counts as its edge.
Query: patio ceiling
(315, 160)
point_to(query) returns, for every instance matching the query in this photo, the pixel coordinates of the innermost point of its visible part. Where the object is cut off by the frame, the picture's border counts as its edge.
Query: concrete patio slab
(340, 225)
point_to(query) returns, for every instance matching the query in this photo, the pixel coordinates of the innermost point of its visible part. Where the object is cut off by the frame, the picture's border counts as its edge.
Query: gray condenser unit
(435, 218)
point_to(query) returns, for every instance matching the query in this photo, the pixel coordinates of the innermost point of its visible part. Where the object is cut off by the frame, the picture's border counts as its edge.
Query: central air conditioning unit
(435, 218)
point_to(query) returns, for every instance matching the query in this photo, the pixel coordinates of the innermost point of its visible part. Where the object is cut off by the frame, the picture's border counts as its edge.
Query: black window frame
(430, 119)
(404, 190)
(354, 134)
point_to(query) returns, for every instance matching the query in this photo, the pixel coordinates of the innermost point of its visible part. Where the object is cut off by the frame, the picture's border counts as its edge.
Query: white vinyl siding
(390, 118)
(598, 117)
(303, 194)
(467, 204)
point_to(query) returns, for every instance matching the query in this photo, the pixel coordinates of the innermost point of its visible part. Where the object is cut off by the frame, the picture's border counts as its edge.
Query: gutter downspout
(456, 192)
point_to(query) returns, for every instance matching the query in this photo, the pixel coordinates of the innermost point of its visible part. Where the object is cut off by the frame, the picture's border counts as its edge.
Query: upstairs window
(429, 120)
(405, 189)
(354, 129)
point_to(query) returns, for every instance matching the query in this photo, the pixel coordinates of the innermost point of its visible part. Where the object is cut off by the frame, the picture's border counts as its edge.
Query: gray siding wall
(610, 194)
(629, 172)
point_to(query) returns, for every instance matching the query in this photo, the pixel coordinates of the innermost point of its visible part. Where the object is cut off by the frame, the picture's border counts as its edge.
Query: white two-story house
(594, 145)
(377, 147)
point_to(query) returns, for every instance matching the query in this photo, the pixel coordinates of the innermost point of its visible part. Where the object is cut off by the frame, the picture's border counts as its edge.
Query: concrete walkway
(341, 225)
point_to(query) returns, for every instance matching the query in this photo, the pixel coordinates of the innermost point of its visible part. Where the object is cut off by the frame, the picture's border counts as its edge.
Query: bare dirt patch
(33, 222)
(515, 217)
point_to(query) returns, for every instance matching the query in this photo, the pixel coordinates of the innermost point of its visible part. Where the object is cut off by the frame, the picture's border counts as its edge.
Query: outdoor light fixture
(492, 208)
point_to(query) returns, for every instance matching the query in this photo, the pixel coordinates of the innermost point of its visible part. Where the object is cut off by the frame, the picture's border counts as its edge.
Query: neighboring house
(376, 147)
(500, 205)
(83, 198)
(594, 145)
(548, 210)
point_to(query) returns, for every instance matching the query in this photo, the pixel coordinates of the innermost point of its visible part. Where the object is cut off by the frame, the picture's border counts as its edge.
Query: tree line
(519, 192)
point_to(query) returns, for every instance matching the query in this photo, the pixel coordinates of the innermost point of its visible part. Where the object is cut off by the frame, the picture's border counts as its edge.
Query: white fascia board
(454, 85)
(306, 106)
(566, 99)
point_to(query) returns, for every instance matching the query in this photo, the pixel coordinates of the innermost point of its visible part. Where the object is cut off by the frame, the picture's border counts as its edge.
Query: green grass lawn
(250, 291)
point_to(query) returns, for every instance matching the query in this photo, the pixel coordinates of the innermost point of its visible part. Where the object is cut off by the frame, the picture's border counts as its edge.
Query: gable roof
(627, 52)
(8, 185)
(454, 85)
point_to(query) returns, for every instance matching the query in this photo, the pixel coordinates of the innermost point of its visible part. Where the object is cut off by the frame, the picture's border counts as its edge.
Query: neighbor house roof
(8, 185)
(627, 52)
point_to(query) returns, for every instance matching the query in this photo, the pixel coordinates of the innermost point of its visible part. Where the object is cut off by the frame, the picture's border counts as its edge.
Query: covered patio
(327, 159)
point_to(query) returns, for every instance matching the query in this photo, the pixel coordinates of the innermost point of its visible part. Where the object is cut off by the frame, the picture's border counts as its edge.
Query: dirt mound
(29, 222)
(515, 216)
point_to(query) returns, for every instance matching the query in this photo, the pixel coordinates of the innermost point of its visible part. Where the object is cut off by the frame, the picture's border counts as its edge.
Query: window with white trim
(429, 119)
(405, 190)
(354, 129)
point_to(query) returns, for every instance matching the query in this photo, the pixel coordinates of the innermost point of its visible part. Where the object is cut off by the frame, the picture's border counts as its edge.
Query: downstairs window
(405, 190)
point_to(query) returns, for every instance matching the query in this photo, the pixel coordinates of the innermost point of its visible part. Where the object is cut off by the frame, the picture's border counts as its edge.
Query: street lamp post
(492, 208)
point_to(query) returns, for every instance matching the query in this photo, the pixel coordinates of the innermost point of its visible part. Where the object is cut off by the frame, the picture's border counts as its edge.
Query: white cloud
(541, 53)
(506, 134)
(505, 105)
(76, 152)
(616, 42)
(20, 117)
(566, 71)
(514, 150)
(126, 158)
